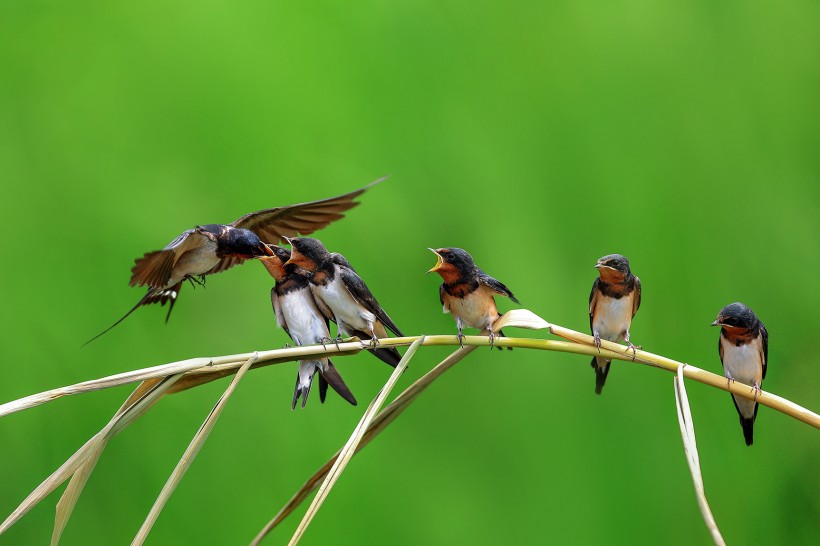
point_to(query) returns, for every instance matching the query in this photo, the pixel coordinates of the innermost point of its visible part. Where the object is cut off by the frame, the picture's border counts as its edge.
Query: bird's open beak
(287, 239)
(439, 263)
(294, 255)
(263, 250)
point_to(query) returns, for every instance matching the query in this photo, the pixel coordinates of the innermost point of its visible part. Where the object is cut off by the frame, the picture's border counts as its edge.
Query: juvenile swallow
(614, 300)
(213, 248)
(744, 352)
(297, 314)
(467, 292)
(342, 296)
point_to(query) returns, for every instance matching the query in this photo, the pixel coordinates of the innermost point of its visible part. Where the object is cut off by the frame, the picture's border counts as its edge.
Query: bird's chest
(612, 317)
(743, 362)
(305, 323)
(197, 261)
(476, 309)
(344, 307)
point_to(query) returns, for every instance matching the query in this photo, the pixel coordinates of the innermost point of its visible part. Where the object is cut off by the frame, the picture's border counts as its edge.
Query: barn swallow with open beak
(467, 292)
(342, 295)
(744, 352)
(613, 302)
(297, 314)
(213, 248)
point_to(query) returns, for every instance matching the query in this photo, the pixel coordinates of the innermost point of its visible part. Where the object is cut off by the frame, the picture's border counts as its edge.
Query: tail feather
(600, 373)
(388, 355)
(747, 423)
(330, 376)
(153, 295)
(748, 430)
(304, 380)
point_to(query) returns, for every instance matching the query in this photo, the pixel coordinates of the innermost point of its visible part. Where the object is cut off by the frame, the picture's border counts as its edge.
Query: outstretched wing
(300, 219)
(154, 268)
(361, 293)
(495, 285)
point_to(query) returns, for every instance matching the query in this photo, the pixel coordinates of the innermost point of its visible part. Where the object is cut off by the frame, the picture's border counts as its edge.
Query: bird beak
(439, 263)
(294, 254)
(717, 323)
(267, 250)
(287, 240)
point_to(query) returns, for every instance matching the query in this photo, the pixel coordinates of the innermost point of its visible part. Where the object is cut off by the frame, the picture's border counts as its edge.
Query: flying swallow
(342, 295)
(614, 300)
(744, 353)
(298, 315)
(213, 248)
(467, 292)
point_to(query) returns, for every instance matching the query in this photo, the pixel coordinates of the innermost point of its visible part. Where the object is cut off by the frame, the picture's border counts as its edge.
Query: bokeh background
(537, 135)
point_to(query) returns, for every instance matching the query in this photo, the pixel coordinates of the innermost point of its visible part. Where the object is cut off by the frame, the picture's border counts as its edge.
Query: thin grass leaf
(97, 442)
(382, 420)
(69, 498)
(350, 447)
(690, 447)
(188, 457)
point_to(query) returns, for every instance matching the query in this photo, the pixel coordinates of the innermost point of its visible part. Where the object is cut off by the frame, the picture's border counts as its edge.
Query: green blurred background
(539, 136)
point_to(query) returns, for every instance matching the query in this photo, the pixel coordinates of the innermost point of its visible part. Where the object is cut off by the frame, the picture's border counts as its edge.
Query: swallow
(213, 248)
(342, 295)
(297, 314)
(467, 292)
(744, 352)
(613, 302)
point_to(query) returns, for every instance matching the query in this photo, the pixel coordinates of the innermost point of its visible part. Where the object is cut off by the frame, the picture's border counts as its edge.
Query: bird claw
(374, 341)
(634, 350)
(729, 380)
(324, 341)
(597, 338)
(337, 341)
(460, 337)
(287, 346)
(756, 389)
(491, 334)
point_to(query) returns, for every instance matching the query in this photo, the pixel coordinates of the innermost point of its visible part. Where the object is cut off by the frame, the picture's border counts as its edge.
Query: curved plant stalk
(382, 420)
(690, 448)
(352, 444)
(83, 461)
(188, 457)
(178, 376)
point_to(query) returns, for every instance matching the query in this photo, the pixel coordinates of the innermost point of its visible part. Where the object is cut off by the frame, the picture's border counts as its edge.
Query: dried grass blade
(103, 383)
(350, 447)
(72, 492)
(382, 420)
(521, 318)
(687, 431)
(122, 418)
(190, 454)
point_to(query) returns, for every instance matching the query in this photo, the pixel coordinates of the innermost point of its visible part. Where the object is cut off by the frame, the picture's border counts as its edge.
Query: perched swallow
(744, 353)
(298, 315)
(467, 292)
(342, 296)
(213, 248)
(614, 300)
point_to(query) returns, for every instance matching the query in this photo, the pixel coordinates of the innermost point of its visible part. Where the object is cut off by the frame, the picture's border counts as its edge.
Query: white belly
(305, 323)
(474, 310)
(743, 364)
(195, 262)
(346, 310)
(613, 318)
